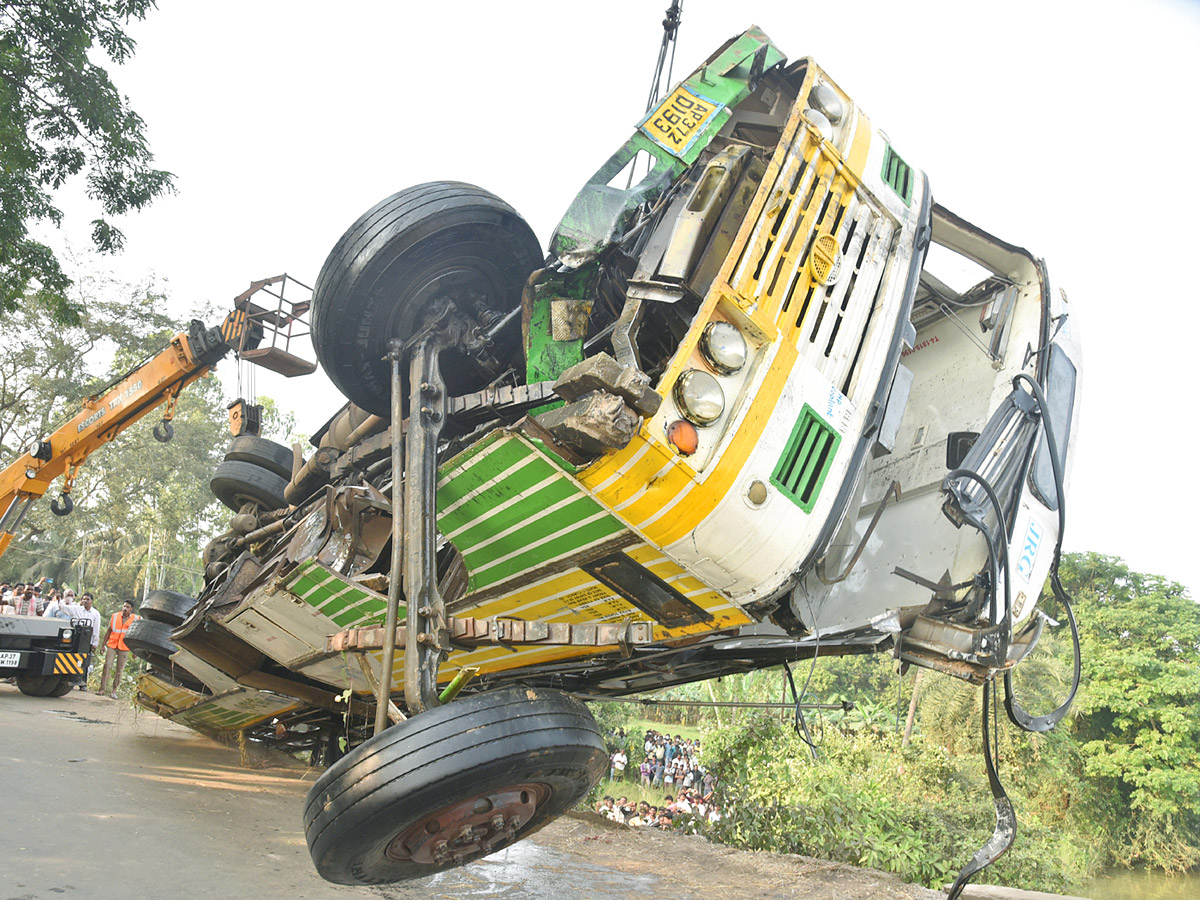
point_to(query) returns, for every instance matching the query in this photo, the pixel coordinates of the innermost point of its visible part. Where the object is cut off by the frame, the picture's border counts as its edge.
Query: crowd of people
(42, 598)
(669, 763)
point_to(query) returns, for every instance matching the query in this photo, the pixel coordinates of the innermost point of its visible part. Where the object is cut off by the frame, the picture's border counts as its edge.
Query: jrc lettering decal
(1029, 551)
(679, 120)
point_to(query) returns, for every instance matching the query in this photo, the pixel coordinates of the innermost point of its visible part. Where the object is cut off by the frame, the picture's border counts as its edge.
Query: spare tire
(269, 455)
(168, 607)
(441, 239)
(236, 483)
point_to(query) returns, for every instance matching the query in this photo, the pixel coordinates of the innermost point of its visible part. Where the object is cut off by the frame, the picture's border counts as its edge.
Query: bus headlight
(825, 99)
(699, 397)
(723, 347)
(820, 122)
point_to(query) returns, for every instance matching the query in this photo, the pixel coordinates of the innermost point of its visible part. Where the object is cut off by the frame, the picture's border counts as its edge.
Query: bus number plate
(679, 120)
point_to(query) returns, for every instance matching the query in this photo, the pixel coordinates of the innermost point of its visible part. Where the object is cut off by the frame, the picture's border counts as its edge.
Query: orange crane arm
(188, 356)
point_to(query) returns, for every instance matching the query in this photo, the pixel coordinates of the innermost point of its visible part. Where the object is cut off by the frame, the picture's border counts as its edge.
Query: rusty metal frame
(470, 633)
(285, 320)
(426, 637)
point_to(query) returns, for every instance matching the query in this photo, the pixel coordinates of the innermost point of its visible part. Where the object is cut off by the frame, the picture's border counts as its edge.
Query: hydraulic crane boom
(159, 380)
(188, 356)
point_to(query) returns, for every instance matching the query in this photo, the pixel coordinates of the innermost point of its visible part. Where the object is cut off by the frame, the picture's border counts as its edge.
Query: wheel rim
(469, 828)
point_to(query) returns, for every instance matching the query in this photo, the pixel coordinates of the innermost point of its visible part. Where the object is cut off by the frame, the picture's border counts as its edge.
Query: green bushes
(1116, 783)
(867, 801)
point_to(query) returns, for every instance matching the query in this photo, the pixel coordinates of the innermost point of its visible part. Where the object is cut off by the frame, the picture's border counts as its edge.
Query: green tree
(1139, 708)
(61, 115)
(47, 369)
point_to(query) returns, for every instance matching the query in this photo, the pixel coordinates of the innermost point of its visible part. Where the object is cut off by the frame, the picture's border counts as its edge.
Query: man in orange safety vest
(116, 648)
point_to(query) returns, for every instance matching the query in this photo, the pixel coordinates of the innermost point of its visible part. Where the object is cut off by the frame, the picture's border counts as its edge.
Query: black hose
(1016, 713)
(997, 551)
(1005, 831)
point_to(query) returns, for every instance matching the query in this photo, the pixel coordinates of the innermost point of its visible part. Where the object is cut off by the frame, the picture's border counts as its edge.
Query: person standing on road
(93, 617)
(116, 648)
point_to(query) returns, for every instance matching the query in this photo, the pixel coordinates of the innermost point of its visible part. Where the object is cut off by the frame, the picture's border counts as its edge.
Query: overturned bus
(762, 399)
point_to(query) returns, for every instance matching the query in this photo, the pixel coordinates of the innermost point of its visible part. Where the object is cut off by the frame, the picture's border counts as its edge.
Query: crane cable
(670, 38)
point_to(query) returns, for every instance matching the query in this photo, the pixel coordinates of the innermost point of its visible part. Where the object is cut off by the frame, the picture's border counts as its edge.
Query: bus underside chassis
(456, 780)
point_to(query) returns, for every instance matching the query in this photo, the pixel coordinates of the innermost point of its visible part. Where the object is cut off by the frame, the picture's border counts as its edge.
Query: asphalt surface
(102, 801)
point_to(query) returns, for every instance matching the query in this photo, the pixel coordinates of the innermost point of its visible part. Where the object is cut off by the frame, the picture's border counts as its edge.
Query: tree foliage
(61, 115)
(1118, 782)
(1138, 721)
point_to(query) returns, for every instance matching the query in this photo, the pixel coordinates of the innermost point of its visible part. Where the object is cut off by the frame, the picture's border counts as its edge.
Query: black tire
(42, 685)
(236, 483)
(269, 455)
(64, 687)
(378, 814)
(151, 641)
(438, 239)
(168, 607)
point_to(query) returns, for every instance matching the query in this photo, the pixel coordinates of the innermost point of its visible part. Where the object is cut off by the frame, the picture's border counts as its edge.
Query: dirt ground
(100, 800)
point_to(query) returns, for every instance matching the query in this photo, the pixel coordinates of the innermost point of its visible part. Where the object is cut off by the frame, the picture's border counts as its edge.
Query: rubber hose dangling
(1005, 831)
(1016, 713)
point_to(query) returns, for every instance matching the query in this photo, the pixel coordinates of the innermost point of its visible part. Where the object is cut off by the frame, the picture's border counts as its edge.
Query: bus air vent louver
(806, 459)
(898, 175)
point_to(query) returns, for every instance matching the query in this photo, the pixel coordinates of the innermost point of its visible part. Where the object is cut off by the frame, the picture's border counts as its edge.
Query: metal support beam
(845, 705)
(383, 699)
(426, 637)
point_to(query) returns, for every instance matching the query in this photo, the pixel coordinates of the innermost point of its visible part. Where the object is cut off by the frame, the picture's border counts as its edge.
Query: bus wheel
(451, 785)
(443, 239)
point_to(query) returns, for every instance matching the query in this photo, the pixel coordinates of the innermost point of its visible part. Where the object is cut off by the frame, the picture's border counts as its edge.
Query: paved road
(100, 801)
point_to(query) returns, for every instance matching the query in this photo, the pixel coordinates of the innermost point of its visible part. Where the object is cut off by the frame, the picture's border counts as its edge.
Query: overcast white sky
(1068, 128)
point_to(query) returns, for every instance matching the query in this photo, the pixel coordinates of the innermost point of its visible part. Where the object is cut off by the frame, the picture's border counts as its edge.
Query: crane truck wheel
(168, 607)
(443, 239)
(236, 483)
(43, 685)
(269, 455)
(451, 785)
